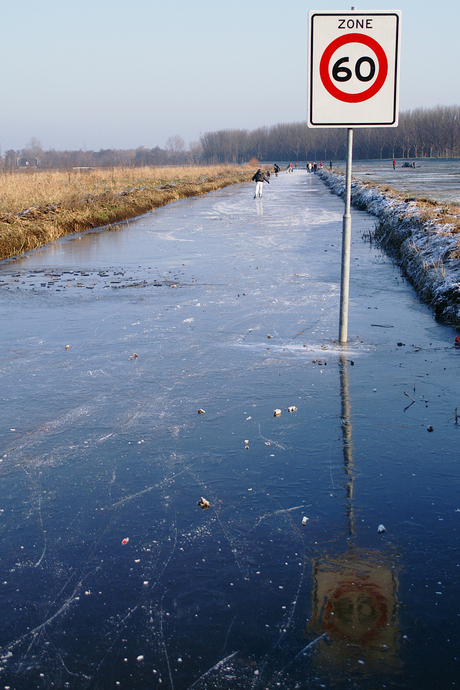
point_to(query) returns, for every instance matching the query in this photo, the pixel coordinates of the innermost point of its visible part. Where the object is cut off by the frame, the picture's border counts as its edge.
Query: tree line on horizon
(32, 156)
(431, 132)
(423, 132)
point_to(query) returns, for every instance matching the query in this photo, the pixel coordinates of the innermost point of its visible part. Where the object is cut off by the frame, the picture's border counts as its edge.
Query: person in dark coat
(259, 178)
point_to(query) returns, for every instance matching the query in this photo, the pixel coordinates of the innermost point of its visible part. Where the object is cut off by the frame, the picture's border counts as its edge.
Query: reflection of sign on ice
(354, 603)
(353, 69)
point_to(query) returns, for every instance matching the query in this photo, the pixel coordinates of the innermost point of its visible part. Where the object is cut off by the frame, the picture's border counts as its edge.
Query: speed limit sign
(353, 69)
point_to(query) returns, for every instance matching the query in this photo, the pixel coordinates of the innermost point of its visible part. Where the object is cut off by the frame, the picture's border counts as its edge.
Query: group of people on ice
(260, 176)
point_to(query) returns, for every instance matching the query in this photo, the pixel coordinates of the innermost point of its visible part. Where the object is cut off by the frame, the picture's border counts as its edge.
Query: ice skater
(259, 178)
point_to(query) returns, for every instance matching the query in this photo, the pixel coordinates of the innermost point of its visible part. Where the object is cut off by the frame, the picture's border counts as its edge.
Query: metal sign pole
(346, 245)
(353, 81)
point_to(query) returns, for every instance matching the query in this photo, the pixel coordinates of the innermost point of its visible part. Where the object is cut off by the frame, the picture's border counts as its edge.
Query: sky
(99, 74)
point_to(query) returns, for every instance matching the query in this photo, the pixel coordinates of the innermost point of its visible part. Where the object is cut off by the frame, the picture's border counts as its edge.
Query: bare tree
(196, 151)
(175, 145)
(34, 148)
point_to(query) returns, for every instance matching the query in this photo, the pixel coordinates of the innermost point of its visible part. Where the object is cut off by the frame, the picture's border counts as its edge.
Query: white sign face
(353, 69)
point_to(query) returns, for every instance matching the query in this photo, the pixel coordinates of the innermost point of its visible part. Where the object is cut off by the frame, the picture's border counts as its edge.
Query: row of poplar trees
(423, 132)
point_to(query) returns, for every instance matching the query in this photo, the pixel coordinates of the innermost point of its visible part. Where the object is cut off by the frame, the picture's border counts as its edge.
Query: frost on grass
(418, 236)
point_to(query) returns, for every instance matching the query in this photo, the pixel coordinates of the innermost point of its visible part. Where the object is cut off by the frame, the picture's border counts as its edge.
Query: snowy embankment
(416, 234)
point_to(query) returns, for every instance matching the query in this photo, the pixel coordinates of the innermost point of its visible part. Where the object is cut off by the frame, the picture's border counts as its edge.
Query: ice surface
(99, 446)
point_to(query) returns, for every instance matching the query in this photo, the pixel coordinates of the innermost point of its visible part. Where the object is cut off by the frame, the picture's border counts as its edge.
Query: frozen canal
(112, 575)
(434, 178)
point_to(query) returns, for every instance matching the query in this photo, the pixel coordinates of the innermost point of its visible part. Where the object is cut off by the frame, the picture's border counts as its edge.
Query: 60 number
(341, 73)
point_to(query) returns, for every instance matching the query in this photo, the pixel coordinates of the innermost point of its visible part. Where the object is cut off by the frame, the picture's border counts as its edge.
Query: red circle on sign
(343, 95)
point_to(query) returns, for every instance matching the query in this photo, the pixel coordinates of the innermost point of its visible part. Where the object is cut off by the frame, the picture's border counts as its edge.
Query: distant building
(28, 162)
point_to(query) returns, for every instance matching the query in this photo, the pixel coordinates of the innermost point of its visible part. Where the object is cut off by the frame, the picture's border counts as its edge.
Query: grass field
(40, 206)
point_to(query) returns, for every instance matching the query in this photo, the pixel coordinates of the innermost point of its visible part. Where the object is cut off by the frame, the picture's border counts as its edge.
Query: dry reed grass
(37, 207)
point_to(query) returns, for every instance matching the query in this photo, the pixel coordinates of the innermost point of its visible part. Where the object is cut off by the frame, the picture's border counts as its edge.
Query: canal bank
(422, 235)
(112, 343)
(42, 206)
